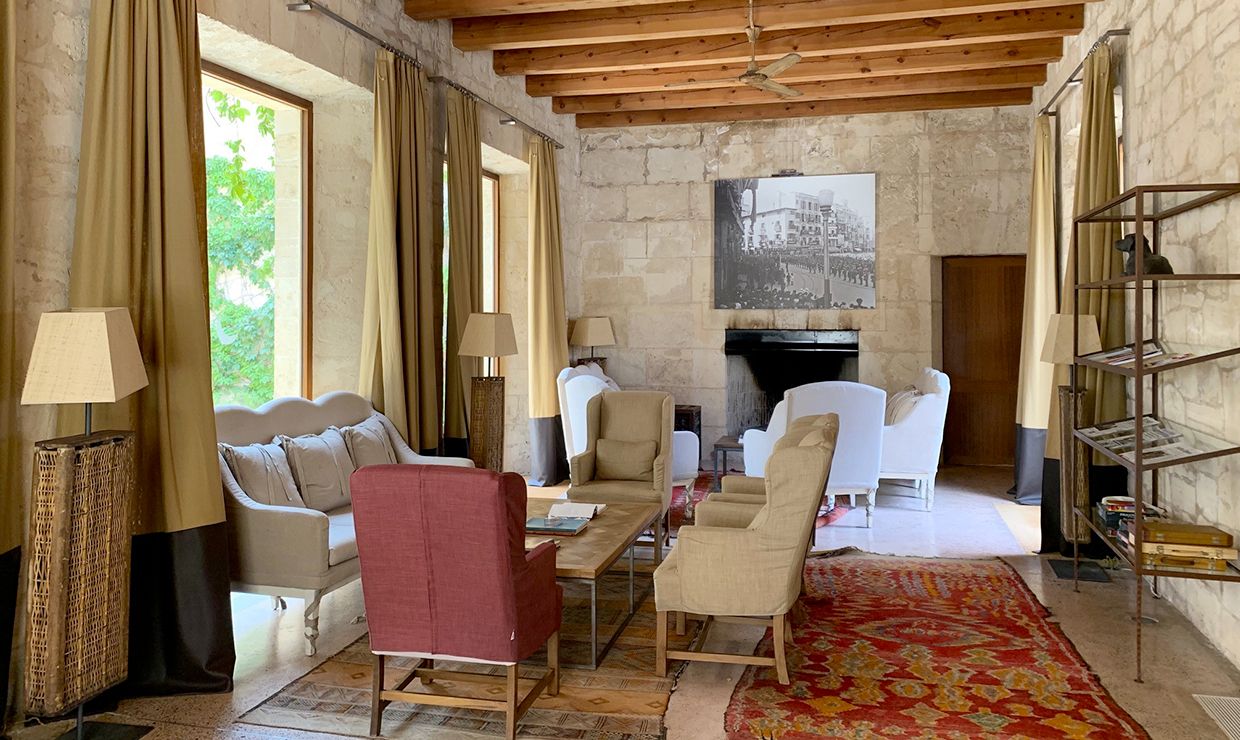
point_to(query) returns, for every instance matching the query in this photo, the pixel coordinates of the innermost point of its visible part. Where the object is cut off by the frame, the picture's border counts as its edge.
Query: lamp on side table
(487, 335)
(78, 544)
(592, 331)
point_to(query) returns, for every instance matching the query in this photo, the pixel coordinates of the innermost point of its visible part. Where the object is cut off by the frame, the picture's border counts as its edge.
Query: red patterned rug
(681, 496)
(909, 648)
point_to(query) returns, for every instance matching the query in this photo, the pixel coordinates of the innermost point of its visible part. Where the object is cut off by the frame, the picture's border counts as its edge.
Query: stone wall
(949, 183)
(1181, 102)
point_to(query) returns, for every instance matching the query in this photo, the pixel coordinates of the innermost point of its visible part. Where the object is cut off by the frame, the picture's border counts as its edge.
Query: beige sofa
(296, 550)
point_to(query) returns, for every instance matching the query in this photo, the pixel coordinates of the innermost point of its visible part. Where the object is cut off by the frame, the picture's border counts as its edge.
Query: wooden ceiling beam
(731, 113)
(820, 69)
(702, 18)
(431, 10)
(876, 87)
(954, 30)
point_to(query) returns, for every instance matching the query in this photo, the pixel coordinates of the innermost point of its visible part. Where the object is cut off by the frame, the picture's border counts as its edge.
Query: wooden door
(983, 299)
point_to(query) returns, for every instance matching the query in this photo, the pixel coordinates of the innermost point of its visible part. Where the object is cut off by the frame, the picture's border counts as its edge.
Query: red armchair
(445, 575)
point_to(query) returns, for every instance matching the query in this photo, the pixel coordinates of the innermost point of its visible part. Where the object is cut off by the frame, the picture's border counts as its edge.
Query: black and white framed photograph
(802, 241)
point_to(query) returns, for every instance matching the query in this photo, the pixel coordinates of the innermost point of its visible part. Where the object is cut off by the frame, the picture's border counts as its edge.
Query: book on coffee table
(558, 525)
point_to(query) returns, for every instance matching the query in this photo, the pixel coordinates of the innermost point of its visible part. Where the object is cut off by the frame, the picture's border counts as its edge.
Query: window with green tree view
(257, 249)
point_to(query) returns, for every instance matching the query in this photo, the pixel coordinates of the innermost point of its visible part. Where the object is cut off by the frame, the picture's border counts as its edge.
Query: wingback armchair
(627, 455)
(913, 434)
(750, 573)
(437, 590)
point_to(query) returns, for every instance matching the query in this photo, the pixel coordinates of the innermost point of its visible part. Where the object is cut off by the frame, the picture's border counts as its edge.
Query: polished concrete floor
(972, 518)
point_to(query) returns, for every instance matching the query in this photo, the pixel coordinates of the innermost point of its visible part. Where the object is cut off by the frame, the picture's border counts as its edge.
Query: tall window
(258, 240)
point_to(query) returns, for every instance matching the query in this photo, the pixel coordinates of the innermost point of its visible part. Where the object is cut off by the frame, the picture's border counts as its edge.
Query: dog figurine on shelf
(1152, 264)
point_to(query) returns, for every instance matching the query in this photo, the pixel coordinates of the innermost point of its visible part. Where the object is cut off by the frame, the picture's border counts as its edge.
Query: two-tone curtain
(140, 241)
(1033, 389)
(403, 316)
(12, 480)
(464, 156)
(548, 320)
(1097, 181)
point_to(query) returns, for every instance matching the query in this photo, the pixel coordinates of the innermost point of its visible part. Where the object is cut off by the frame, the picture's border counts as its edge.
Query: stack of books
(1114, 511)
(1172, 544)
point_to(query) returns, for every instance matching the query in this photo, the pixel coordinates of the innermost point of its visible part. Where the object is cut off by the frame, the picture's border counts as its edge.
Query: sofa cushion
(900, 403)
(263, 472)
(368, 443)
(321, 466)
(341, 540)
(619, 460)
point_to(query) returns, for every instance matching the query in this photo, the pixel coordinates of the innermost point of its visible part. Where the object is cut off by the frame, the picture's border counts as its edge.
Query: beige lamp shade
(1057, 348)
(488, 335)
(84, 355)
(593, 331)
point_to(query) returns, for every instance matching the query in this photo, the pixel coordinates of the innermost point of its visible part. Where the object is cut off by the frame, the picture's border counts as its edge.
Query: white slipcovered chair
(860, 407)
(913, 435)
(577, 385)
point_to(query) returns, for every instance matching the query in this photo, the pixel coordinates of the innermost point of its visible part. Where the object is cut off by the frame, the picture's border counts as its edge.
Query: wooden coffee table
(586, 557)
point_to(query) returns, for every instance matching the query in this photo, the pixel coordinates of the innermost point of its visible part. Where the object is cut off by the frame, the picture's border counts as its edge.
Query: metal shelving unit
(1145, 207)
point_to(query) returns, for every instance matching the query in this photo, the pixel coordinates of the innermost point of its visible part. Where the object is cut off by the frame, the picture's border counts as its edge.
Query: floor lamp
(78, 542)
(1073, 456)
(487, 335)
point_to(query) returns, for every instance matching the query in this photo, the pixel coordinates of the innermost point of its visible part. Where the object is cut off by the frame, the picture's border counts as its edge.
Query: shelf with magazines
(1136, 528)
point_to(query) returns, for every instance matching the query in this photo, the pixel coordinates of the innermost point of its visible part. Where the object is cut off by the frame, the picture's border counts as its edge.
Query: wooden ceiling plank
(702, 18)
(958, 30)
(732, 114)
(876, 87)
(820, 69)
(431, 10)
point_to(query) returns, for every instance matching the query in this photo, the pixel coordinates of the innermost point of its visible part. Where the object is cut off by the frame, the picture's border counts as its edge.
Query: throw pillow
(321, 466)
(263, 473)
(900, 403)
(618, 460)
(368, 443)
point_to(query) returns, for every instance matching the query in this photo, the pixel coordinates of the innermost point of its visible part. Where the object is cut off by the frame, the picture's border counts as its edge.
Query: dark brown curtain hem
(1104, 480)
(548, 464)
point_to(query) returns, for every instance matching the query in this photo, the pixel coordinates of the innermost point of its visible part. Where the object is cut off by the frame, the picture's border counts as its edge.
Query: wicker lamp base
(1073, 467)
(486, 422)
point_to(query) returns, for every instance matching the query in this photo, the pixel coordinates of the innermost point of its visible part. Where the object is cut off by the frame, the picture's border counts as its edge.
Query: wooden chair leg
(510, 711)
(660, 644)
(376, 692)
(553, 663)
(680, 623)
(658, 541)
(781, 658)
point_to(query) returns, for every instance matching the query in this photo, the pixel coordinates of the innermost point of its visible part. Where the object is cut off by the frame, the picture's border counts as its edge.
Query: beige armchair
(750, 569)
(628, 453)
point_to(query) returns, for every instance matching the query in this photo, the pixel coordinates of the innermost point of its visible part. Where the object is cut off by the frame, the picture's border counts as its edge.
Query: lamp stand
(1073, 465)
(486, 422)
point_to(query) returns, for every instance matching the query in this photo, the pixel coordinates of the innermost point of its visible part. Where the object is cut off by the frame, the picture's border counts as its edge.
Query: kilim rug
(681, 495)
(621, 700)
(910, 648)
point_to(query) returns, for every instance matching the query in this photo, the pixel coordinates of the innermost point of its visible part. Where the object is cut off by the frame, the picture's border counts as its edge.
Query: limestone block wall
(948, 183)
(1181, 100)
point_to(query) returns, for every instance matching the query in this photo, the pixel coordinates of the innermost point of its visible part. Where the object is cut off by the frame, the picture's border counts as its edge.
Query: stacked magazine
(1161, 442)
(1154, 355)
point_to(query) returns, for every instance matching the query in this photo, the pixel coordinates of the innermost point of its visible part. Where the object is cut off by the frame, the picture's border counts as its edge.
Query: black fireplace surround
(763, 363)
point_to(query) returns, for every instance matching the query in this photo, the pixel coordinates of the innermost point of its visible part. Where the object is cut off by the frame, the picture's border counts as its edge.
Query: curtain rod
(1072, 78)
(313, 5)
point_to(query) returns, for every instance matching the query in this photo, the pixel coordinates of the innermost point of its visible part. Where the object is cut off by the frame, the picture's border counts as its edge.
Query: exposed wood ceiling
(609, 61)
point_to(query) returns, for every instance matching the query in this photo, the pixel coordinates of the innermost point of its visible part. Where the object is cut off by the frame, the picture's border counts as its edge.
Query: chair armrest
(729, 571)
(542, 559)
(725, 514)
(539, 598)
(581, 468)
(661, 481)
(269, 542)
(406, 456)
(745, 485)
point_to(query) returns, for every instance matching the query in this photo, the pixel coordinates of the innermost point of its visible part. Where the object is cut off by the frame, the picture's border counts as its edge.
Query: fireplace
(763, 363)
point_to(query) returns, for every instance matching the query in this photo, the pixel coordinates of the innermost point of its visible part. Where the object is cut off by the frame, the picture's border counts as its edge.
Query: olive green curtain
(401, 329)
(140, 242)
(12, 482)
(548, 320)
(464, 253)
(1033, 388)
(1097, 181)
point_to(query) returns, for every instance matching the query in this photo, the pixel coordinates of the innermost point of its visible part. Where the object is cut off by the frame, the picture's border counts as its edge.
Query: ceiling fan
(763, 78)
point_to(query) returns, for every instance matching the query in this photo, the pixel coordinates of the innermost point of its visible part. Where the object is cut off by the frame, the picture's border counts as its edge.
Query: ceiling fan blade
(782, 91)
(700, 83)
(779, 66)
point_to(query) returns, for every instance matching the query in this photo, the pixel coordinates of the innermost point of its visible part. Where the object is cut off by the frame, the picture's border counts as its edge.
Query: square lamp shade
(84, 355)
(488, 335)
(1057, 349)
(593, 331)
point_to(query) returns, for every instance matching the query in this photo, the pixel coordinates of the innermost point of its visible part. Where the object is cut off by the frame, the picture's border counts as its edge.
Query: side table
(722, 447)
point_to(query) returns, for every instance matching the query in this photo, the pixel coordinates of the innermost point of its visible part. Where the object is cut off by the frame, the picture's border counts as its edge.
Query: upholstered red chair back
(444, 567)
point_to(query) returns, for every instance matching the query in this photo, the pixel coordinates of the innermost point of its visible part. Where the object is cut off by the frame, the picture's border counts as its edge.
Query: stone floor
(972, 517)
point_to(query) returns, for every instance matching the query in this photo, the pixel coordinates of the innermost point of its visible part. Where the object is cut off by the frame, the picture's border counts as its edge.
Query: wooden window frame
(492, 180)
(232, 77)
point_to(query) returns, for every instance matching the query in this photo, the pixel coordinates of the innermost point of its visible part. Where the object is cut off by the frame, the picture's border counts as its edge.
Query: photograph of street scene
(795, 242)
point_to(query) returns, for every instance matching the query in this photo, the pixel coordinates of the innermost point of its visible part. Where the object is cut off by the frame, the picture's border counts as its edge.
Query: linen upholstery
(321, 466)
(368, 442)
(619, 460)
(754, 571)
(626, 416)
(438, 588)
(263, 472)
